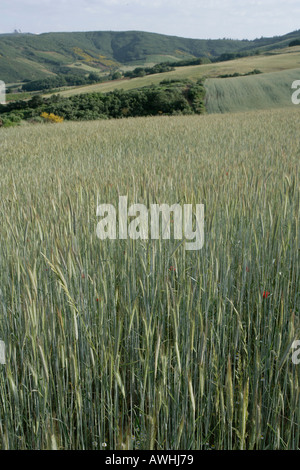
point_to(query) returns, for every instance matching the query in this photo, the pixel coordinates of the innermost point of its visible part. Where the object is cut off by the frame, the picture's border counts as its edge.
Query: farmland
(280, 61)
(266, 91)
(123, 344)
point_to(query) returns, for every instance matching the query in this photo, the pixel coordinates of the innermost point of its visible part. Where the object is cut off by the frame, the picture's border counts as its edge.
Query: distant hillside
(30, 57)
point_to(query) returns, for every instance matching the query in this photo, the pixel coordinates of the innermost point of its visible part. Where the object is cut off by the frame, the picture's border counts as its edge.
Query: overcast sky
(240, 19)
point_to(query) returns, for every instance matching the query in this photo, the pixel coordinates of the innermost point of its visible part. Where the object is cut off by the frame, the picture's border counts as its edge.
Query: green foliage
(142, 71)
(296, 42)
(237, 74)
(231, 56)
(61, 80)
(167, 98)
(116, 75)
(195, 95)
(188, 62)
(11, 119)
(163, 67)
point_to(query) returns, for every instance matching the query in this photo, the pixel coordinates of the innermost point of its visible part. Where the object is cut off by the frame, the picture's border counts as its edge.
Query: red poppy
(172, 268)
(247, 269)
(266, 294)
(83, 276)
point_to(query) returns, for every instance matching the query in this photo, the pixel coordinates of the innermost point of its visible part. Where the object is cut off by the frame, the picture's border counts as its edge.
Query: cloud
(189, 18)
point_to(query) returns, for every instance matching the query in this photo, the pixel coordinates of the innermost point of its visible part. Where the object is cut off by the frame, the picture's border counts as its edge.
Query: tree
(36, 101)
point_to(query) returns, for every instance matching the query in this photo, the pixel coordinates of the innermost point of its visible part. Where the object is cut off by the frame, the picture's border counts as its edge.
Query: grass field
(285, 60)
(270, 90)
(141, 344)
(17, 96)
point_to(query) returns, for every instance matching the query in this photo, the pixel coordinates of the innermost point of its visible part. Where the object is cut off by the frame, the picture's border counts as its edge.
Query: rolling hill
(30, 56)
(280, 60)
(266, 91)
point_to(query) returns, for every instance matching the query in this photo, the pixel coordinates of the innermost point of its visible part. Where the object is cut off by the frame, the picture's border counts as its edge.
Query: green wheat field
(123, 344)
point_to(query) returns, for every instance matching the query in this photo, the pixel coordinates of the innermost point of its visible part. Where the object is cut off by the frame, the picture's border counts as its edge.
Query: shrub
(296, 42)
(50, 117)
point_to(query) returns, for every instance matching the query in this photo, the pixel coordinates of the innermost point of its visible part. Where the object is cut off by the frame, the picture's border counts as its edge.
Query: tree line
(168, 98)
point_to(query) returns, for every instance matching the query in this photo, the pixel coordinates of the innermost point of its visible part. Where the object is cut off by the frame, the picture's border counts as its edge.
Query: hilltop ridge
(26, 56)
